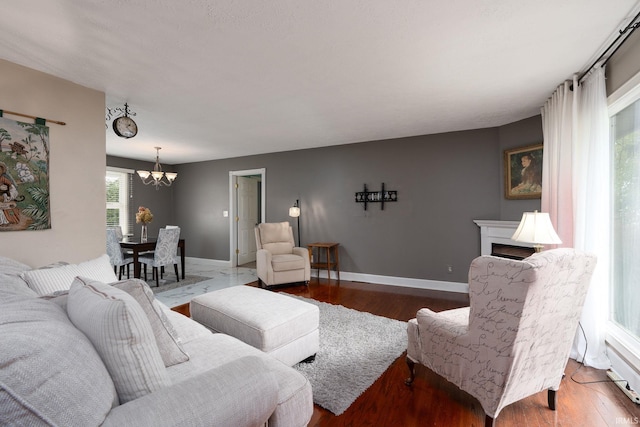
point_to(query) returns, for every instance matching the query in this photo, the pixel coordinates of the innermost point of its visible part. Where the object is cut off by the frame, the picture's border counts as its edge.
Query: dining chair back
(165, 253)
(118, 230)
(116, 257)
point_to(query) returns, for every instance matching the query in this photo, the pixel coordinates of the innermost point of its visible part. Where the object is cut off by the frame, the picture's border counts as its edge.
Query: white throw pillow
(119, 329)
(46, 281)
(166, 336)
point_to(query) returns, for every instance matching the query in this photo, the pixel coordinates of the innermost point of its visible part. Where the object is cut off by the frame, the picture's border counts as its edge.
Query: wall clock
(124, 126)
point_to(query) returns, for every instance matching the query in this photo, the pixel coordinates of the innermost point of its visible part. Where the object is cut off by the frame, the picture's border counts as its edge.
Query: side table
(332, 261)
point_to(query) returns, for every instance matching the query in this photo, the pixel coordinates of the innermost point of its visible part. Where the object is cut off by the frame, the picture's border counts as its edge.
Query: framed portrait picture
(523, 172)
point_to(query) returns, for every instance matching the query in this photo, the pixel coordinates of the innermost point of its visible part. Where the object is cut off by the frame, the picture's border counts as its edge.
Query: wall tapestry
(523, 172)
(24, 176)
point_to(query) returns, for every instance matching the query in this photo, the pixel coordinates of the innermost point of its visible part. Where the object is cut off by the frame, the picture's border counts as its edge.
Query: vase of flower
(144, 217)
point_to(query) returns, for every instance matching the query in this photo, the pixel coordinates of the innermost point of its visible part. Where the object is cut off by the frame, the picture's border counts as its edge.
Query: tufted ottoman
(279, 325)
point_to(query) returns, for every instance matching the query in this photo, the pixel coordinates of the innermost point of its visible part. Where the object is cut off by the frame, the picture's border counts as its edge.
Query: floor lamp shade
(294, 212)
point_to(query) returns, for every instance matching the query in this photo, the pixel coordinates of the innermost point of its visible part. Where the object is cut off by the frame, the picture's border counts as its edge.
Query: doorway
(247, 201)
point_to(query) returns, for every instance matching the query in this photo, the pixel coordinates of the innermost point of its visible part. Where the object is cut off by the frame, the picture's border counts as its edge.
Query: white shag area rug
(355, 349)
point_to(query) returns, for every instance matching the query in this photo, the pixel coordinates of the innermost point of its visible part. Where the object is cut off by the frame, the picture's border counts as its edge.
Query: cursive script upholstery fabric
(514, 339)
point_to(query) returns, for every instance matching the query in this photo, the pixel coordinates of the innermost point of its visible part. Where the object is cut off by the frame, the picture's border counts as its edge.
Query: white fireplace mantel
(497, 232)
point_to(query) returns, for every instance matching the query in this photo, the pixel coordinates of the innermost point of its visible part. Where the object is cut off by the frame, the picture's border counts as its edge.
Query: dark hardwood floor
(433, 401)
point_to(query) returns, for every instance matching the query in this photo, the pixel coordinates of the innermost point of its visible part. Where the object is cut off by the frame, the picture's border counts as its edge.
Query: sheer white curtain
(576, 185)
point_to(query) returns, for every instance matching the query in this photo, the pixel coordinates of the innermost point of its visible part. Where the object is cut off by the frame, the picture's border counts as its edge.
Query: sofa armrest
(243, 392)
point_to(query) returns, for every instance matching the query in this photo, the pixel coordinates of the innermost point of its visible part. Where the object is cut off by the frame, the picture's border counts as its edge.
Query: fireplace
(495, 239)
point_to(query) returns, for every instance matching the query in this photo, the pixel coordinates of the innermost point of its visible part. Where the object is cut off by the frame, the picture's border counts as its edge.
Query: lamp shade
(535, 227)
(294, 211)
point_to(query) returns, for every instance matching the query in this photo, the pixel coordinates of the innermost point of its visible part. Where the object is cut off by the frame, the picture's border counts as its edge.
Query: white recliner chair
(278, 261)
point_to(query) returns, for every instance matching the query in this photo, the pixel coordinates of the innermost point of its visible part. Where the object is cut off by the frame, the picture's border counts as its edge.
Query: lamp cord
(581, 364)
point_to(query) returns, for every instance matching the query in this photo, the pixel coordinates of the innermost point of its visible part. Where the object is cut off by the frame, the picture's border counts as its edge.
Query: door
(247, 197)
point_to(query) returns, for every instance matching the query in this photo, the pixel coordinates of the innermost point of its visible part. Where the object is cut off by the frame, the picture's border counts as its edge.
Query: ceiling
(227, 78)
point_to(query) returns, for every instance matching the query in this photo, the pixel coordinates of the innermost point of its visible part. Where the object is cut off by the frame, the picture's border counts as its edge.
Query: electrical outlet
(631, 394)
(449, 268)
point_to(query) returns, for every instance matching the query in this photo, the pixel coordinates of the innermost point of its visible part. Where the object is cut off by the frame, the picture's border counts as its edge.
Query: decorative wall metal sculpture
(381, 196)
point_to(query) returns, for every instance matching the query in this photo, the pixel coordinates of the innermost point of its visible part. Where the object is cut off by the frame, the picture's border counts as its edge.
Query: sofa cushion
(10, 281)
(49, 280)
(121, 333)
(50, 374)
(165, 334)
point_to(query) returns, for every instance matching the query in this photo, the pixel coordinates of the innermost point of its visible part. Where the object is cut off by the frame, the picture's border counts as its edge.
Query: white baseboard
(208, 262)
(622, 368)
(406, 282)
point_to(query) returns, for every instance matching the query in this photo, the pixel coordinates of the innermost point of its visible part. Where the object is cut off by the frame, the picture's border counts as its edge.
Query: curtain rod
(633, 25)
(31, 117)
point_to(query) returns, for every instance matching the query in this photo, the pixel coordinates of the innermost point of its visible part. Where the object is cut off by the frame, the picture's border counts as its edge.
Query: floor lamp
(294, 211)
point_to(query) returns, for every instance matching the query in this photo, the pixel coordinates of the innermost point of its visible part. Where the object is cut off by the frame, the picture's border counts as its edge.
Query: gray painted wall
(444, 182)
(624, 64)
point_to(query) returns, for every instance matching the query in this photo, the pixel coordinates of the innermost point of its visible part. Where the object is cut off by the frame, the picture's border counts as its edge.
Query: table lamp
(535, 227)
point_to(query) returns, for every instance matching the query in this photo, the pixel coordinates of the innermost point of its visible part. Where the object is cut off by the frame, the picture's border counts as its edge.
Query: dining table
(137, 247)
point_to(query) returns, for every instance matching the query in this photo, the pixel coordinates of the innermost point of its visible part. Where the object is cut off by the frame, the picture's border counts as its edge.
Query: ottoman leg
(309, 359)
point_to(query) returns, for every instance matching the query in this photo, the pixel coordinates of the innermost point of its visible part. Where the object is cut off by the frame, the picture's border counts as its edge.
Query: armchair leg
(489, 421)
(552, 398)
(412, 371)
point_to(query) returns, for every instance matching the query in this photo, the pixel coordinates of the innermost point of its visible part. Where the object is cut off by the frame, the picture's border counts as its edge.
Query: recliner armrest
(243, 392)
(303, 252)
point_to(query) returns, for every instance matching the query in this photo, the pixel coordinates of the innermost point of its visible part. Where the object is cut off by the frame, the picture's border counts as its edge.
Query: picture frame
(523, 172)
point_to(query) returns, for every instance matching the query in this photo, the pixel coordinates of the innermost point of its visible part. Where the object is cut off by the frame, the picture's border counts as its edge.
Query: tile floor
(220, 277)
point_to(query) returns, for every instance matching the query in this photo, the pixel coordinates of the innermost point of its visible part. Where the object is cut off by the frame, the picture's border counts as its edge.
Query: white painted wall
(77, 166)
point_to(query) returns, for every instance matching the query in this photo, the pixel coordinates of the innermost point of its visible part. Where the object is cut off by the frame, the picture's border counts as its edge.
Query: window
(623, 333)
(118, 189)
(625, 137)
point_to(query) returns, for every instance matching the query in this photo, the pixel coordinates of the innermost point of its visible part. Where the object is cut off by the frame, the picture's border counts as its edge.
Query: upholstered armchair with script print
(514, 339)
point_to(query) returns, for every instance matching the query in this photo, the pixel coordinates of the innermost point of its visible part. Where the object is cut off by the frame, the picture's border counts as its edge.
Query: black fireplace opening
(511, 251)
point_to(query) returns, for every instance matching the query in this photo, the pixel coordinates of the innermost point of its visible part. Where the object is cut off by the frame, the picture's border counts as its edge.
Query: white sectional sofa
(58, 367)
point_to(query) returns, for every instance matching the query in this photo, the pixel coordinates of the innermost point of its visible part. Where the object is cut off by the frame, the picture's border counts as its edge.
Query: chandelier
(158, 178)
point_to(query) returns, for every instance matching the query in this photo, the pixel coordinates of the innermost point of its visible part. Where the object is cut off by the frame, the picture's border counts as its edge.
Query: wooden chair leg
(489, 421)
(155, 270)
(175, 266)
(412, 371)
(128, 276)
(552, 399)
(145, 272)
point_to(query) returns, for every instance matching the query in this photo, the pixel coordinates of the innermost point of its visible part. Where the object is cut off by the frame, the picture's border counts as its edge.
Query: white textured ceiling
(226, 78)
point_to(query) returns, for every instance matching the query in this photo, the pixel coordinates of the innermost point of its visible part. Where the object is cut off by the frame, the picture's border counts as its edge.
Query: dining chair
(169, 227)
(117, 258)
(165, 253)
